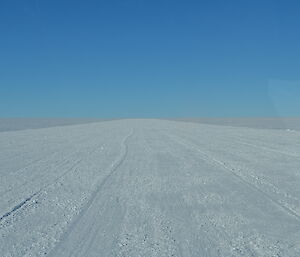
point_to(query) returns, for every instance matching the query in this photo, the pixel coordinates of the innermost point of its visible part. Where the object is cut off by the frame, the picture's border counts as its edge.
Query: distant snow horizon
(287, 123)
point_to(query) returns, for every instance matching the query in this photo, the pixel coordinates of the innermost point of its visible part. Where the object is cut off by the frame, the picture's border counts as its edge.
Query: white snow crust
(132, 188)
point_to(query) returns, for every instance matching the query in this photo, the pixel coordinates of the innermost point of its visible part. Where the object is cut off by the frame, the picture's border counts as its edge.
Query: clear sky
(154, 58)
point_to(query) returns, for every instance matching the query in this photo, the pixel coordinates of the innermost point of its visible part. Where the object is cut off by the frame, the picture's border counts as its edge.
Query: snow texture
(147, 188)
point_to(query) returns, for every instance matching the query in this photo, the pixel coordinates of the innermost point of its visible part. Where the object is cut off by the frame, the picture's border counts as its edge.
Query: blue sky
(139, 58)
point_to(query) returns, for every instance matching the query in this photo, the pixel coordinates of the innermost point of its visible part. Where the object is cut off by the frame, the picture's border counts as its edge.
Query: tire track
(112, 170)
(210, 244)
(17, 207)
(28, 199)
(54, 181)
(231, 170)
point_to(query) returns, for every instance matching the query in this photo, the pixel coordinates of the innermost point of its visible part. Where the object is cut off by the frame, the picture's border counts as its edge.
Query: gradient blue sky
(126, 58)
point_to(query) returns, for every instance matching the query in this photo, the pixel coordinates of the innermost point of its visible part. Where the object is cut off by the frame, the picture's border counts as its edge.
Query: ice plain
(131, 188)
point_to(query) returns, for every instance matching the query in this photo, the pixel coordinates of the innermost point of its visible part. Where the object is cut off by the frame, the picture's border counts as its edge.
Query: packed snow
(147, 188)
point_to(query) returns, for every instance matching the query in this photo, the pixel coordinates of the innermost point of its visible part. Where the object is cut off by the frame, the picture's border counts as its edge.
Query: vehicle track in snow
(166, 189)
(232, 170)
(30, 198)
(111, 172)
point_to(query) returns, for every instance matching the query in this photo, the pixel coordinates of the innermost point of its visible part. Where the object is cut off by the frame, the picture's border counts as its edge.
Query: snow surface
(149, 188)
(12, 124)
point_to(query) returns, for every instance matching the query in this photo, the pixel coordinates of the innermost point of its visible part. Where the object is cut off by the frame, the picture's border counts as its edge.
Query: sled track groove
(55, 180)
(18, 206)
(113, 169)
(231, 171)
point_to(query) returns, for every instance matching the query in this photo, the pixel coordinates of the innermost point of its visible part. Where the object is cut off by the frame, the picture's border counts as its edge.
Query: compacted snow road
(149, 188)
